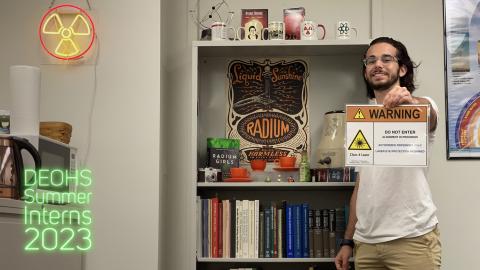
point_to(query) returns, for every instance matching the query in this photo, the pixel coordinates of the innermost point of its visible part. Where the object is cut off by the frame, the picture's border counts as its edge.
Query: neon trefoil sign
(66, 32)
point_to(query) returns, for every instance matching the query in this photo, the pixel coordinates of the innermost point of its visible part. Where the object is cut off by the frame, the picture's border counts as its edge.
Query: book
(254, 20)
(245, 225)
(318, 234)
(304, 224)
(325, 231)
(220, 229)
(331, 233)
(293, 18)
(261, 236)
(251, 229)
(199, 226)
(274, 231)
(297, 231)
(214, 227)
(238, 226)
(280, 234)
(256, 227)
(268, 229)
(223, 154)
(311, 241)
(233, 229)
(205, 233)
(289, 230)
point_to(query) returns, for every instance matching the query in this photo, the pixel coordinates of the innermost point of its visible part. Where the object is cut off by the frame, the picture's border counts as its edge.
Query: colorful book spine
(220, 229)
(304, 223)
(290, 235)
(280, 232)
(274, 231)
(326, 243)
(215, 228)
(205, 228)
(268, 229)
(297, 245)
(233, 228)
(311, 241)
(256, 227)
(261, 236)
(318, 234)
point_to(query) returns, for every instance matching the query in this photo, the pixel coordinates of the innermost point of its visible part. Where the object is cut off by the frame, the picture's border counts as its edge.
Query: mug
(276, 30)
(258, 164)
(239, 172)
(344, 30)
(286, 162)
(310, 29)
(219, 31)
(253, 30)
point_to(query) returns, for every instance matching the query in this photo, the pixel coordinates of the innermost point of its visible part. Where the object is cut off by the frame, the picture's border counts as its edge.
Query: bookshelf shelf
(280, 48)
(278, 186)
(268, 260)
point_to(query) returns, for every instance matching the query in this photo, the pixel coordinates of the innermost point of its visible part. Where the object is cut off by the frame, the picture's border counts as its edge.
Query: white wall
(125, 127)
(419, 25)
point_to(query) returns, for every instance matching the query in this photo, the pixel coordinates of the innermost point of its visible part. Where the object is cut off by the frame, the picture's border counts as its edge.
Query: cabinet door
(13, 255)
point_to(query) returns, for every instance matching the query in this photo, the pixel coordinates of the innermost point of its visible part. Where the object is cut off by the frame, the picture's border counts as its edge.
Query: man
(392, 217)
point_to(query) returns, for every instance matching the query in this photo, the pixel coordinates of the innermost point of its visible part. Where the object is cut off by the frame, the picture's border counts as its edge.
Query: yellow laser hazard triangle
(359, 115)
(359, 142)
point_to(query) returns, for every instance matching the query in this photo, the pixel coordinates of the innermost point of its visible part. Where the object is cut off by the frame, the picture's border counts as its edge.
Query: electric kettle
(11, 165)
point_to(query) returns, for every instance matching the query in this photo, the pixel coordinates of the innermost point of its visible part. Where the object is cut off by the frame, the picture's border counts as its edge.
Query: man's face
(385, 72)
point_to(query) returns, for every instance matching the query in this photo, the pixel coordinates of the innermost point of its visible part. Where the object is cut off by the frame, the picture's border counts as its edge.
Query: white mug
(309, 30)
(276, 30)
(219, 31)
(344, 30)
(253, 30)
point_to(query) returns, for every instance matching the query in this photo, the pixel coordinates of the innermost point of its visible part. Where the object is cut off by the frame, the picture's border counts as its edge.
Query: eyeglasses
(385, 58)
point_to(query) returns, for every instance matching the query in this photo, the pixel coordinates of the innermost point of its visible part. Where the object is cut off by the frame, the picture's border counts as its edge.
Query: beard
(382, 86)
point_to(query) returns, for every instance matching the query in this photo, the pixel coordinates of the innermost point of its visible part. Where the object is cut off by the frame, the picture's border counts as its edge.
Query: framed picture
(268, 108)
(462, 73)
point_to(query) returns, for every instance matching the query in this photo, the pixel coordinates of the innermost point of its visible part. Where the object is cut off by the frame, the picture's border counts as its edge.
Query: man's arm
(433, 113)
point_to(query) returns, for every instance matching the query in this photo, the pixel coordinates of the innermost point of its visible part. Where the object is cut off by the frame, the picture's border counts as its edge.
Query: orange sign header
(378, 113)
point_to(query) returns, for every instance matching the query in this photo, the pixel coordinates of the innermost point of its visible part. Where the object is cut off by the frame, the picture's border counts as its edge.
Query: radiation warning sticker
(359, 142)
(395, 137)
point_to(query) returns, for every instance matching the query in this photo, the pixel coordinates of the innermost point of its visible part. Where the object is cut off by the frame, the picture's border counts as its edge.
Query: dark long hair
(408, 79)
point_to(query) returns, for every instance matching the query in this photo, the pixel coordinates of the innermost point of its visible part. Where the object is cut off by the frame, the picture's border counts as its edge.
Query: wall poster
(267, 105)
(462, 49)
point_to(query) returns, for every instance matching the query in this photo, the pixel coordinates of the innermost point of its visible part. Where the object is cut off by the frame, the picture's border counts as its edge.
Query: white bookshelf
(335, 80)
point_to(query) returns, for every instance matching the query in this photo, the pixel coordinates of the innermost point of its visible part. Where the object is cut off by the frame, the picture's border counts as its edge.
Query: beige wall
(125, 127)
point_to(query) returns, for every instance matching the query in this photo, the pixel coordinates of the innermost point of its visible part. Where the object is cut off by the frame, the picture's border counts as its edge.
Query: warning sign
(359, 115)
(387, 137)
(359, 142)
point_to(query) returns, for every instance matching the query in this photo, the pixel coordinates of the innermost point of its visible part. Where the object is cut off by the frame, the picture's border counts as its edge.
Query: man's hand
(341, 261)
(398, 95)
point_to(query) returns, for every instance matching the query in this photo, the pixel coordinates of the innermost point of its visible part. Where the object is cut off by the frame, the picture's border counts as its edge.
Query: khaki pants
(417, 253)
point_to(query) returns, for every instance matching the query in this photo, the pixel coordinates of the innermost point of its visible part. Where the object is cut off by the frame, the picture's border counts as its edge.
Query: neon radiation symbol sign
(66, 32)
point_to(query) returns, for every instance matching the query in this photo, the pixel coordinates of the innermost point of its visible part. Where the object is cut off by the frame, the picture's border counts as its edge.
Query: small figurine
(290, 179)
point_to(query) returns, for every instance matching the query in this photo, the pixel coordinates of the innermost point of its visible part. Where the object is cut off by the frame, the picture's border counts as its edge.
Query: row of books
(343, 174)
(246, 229)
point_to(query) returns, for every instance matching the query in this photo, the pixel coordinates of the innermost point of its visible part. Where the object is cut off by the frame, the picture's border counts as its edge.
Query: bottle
(304, 168)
